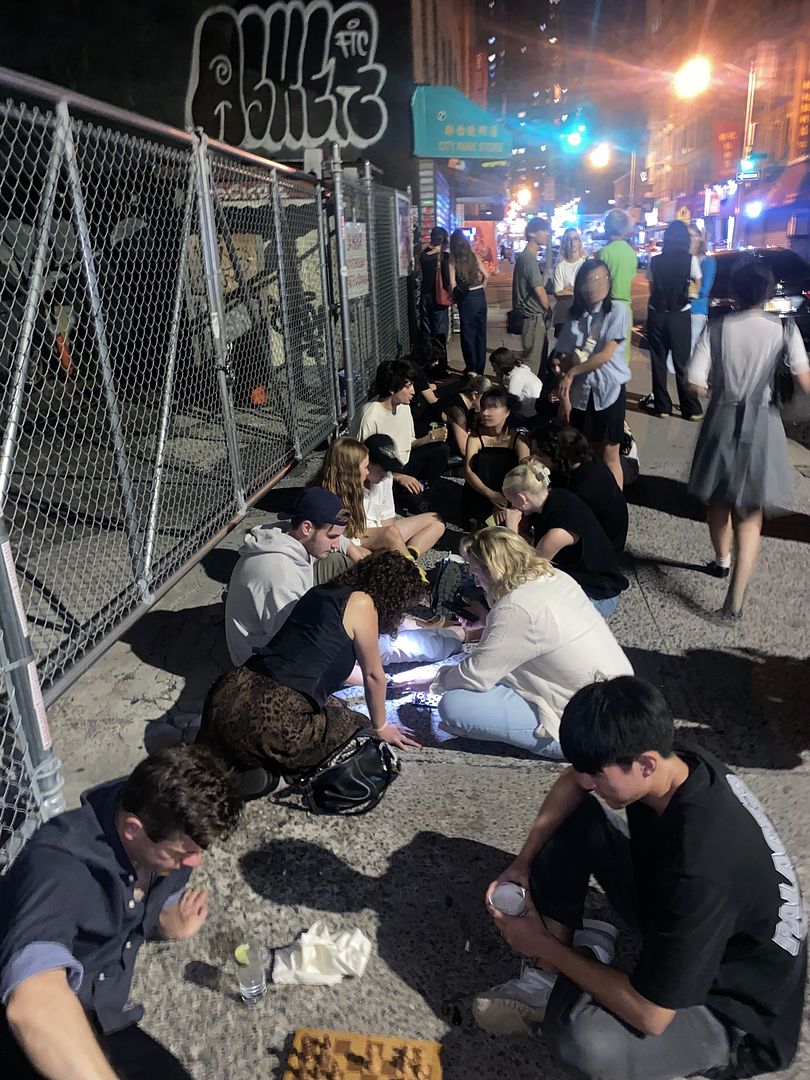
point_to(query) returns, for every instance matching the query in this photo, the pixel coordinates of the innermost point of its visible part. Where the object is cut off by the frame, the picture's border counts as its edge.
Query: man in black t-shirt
(697, 868)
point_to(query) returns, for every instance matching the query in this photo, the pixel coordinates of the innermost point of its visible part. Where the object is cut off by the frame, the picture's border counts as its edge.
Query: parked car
(791, 273)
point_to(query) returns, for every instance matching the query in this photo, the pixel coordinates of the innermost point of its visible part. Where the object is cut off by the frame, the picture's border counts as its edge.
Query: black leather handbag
(350, 780)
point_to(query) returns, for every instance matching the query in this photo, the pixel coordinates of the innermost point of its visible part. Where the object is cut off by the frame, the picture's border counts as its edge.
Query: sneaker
(515, 1007)
(446, 585)
(717, 571)
(695, 418)
(652, 411)
(599, 937)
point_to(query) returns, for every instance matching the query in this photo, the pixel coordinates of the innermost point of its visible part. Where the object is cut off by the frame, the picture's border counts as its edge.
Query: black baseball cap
(319, 506)
(382, 451)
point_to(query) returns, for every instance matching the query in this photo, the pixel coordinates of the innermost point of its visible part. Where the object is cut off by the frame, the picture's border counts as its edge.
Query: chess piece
(326, 1059)
(373, 1058)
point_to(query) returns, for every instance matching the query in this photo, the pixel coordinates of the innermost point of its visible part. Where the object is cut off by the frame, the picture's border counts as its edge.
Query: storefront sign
(357, 259)
(447, 124)
(726, 147)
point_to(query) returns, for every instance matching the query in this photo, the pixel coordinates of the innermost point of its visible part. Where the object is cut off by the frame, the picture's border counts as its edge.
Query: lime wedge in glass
(241, 953)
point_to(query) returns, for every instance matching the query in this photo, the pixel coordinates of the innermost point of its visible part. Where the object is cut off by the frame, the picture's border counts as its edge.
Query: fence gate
(167, 348)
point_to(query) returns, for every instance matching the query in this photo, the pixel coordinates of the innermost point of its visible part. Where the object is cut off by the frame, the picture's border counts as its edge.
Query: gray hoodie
(273, 573)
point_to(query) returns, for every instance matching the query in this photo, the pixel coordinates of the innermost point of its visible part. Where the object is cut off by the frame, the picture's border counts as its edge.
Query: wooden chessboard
(320, 1054)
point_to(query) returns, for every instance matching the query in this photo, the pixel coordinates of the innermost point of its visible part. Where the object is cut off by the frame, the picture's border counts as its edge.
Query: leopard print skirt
(250, 720)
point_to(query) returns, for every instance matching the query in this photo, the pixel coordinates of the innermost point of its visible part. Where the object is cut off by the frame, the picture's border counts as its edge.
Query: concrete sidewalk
(412, 874)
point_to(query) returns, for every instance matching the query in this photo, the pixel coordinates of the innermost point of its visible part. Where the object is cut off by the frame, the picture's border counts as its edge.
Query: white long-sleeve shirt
(545, 640)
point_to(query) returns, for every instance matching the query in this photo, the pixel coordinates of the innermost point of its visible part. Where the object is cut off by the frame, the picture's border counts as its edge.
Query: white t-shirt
(523, 384)
(374, 419)
(751, 341)
(378, 502)
(565, 273)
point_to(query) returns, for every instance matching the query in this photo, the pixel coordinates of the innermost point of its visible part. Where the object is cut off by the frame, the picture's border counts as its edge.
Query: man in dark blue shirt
(78, 903)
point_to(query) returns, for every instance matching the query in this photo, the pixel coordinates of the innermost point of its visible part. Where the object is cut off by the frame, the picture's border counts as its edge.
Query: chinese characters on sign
(803, 131)
(727, 150)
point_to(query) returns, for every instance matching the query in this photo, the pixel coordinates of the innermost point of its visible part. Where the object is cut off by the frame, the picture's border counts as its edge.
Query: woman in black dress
(274, 716)
(492, 450)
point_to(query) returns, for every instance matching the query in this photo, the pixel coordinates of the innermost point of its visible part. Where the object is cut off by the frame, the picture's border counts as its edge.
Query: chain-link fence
(167, 348)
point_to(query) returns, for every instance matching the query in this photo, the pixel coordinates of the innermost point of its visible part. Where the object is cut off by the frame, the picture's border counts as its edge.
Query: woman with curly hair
(568, 456)
(542, 641)
(274, 716)
(362, 478)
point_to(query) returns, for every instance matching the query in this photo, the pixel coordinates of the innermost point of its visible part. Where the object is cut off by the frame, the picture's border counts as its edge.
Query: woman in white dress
(740, 468)
(572, 256)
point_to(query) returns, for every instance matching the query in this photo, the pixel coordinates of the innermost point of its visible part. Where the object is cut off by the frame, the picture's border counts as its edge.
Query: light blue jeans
(418, 646)
(606, 607)
(496, 715)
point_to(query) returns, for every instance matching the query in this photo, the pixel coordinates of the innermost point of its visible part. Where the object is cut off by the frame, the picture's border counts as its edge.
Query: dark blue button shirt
(68, 902)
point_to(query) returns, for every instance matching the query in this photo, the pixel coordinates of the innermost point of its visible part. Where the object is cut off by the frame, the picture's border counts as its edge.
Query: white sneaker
(515, 1007)
(599, 937)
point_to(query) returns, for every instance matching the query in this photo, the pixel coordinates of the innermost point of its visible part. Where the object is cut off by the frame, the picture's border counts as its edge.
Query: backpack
(350, 780)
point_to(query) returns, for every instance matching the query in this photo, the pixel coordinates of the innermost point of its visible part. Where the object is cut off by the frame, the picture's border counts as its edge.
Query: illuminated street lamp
(600, 156)
(693, 77)
(523, 196)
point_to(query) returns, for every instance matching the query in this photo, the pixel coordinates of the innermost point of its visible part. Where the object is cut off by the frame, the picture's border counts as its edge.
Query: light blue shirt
(606, 382)
(708, 270)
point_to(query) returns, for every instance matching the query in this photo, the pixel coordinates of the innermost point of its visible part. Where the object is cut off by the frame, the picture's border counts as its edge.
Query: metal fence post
(343, 278)
(373, 267)
(285, 315)
(213, 280)
(395, 269)
(22, 673)
(32, 301)
(168, 387)
(108, 382)
(329, 341)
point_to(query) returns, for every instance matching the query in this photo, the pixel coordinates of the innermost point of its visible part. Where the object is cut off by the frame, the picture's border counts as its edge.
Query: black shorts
(601, 425)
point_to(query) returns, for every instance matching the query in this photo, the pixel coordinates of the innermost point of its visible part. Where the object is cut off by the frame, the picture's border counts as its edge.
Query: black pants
(671, 331)
(584, 1037)
(472, 317)
(427, 463)
(133, 1054)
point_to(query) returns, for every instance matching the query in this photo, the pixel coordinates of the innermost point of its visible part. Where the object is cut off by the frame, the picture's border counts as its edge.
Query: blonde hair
(479, 384)
(571, 247)
(509, 560)
(340, 474)
(701, 237)
(530, 476)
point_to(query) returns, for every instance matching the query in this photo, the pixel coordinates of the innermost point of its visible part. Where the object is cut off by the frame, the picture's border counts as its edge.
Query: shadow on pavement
(219, 564)
(433, 932)
(666, 495)
(746, 707)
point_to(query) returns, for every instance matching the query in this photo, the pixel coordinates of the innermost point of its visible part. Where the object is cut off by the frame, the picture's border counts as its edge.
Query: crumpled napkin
(321, 958)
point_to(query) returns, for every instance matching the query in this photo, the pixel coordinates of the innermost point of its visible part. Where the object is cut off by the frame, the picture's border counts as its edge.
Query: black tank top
(312, 652)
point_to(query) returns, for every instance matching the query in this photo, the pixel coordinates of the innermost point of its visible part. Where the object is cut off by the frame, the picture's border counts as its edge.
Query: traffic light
(575, 136)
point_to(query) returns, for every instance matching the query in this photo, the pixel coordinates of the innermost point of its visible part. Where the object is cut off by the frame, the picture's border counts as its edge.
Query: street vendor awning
(446, 124)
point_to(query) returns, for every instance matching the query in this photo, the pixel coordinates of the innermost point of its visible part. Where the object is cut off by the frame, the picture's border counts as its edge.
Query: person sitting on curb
(541, 641)
(277, 568)
(697, 868)
(274, 718)
(424, 459)
(75, 907)
(568, 456)
(564, 530)
(347, 470)
(520, 383)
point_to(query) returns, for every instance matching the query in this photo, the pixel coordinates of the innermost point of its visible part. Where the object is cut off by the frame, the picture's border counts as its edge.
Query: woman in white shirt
(741, 468)
(542, 641)
(572, 256)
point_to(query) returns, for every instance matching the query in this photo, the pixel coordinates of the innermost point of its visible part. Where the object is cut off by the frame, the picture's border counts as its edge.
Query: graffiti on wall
(290, 76)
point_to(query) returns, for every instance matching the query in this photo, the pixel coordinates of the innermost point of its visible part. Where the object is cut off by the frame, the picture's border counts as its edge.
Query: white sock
(723, 561)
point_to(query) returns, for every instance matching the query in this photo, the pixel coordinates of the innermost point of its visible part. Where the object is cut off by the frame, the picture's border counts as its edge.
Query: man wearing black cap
(529, 297)
(276, 567)
(415, 534)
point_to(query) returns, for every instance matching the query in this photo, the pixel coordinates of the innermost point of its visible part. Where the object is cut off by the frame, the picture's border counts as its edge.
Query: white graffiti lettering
(791, 929)
(294, 75)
